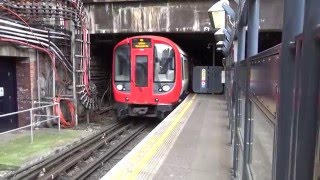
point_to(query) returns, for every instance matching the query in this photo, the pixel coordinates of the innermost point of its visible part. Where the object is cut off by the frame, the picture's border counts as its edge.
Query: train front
(146, 77)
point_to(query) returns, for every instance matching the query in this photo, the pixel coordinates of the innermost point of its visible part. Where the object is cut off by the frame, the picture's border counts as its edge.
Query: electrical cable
(46, 40)
(63, 121)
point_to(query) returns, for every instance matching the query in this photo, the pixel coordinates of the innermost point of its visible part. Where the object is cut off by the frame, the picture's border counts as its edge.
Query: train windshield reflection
(164, 63)
(122, 63)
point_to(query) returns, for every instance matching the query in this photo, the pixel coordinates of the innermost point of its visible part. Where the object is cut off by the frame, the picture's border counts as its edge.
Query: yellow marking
(149, 144)
(141, 163)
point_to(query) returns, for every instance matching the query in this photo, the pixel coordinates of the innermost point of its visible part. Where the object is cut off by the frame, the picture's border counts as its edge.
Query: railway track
(75, 159)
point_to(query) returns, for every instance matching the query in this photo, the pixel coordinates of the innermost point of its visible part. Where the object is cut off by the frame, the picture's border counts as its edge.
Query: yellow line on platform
(145, 160)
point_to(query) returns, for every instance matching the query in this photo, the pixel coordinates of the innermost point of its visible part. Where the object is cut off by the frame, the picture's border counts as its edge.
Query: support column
(307, 113)
(240, 56)
(292, 26)
(213, 54)
(241, 43)
(74, 70)
(253, 27)
(236, 92)
(252, 49)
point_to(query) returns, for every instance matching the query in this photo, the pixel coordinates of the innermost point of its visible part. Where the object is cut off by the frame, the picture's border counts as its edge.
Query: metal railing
(252, 99)
(33, 116)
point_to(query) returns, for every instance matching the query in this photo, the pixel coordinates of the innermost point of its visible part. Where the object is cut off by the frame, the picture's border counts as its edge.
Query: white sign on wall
(1, 91)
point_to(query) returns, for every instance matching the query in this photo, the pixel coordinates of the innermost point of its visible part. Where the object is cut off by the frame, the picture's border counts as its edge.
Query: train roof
(157, 38)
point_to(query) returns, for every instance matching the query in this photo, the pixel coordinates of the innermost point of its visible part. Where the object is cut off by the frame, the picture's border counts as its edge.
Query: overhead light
(227, 34)
(220, 43)
(219, 49)
(224, 51)
(228, 29)
(222, 34)
(221, 16)
(229, 11)
(217, 15)
(219, 35)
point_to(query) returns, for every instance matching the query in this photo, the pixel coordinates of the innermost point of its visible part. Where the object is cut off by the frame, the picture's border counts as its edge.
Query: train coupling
(140, 110)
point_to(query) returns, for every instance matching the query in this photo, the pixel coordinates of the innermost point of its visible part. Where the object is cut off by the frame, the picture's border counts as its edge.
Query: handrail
(50, 117)
(27, 110)
(268, 52)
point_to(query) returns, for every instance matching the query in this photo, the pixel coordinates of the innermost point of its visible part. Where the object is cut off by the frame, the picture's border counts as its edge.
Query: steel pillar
(253, 27)
(241, 43)
(292, 26)
(74, 71)
(213, 54)
(38, 78)
(240, 57)
(234, 124)
(308, 99)
(252, 49)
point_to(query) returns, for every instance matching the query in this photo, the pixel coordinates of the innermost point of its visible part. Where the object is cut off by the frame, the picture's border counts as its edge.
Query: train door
(8, 93)
(142, 70)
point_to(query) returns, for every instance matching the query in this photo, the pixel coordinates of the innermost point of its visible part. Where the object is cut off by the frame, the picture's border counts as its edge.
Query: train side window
(122, 63)
(182, 68)
(186, 68)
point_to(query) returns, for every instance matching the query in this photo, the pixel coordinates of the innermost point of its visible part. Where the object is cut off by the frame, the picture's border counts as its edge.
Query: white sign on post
(223, 77)
(1, 91)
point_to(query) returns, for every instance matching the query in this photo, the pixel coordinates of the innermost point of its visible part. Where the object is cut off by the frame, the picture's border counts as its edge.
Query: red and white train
(150, 76)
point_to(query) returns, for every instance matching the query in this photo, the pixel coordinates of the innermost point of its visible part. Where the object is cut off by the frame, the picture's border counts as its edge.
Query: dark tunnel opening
(268, 39)
(198, 46)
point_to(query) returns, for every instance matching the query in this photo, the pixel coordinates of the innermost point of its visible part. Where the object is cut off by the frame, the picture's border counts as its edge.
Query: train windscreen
(122, 63)
(164, 63)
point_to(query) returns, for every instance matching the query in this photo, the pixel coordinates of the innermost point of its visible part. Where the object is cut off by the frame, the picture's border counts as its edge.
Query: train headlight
(166, 88)
(119, 87)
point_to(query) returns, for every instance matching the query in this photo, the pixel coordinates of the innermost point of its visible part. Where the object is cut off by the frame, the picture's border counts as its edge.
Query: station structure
(264, 125)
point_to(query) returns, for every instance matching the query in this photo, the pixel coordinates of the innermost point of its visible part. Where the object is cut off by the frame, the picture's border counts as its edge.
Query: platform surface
(191, 143)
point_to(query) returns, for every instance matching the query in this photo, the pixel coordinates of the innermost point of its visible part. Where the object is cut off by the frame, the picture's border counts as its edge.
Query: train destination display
(141, 43)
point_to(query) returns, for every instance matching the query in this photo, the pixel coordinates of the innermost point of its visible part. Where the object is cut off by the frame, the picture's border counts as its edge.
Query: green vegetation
(18, 151)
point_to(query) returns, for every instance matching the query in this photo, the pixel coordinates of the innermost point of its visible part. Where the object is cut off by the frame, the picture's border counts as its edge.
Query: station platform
(191, 143)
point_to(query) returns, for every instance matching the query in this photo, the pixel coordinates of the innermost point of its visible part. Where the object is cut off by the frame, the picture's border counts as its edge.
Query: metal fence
(252, 102)
(34, 117)
(274, 96)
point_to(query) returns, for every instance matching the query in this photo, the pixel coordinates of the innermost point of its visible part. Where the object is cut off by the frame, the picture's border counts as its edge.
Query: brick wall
(23, 90)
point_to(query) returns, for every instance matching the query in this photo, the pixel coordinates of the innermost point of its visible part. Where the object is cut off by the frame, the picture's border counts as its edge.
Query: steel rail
(31, 171)
(57, 171)
(84, 173)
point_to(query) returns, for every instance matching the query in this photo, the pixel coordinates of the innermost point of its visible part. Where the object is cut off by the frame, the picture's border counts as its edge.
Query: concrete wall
(167, 16)
(271, 14)
(117, 17)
